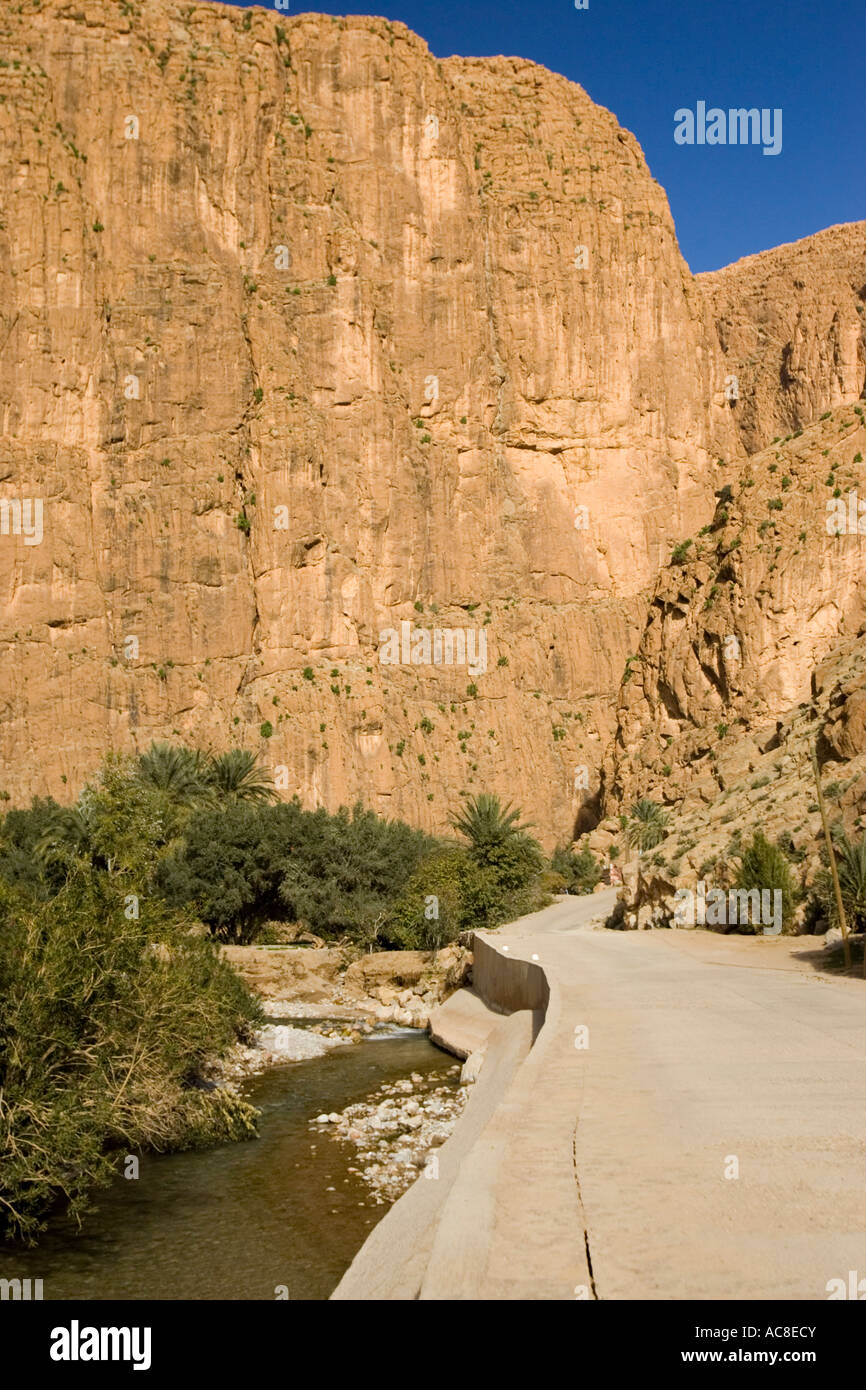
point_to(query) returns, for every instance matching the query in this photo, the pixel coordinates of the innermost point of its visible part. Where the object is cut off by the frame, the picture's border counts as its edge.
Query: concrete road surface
(717, 1114)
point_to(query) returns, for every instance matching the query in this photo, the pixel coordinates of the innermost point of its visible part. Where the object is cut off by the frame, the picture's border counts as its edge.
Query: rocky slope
(304, 335)
(753, 655)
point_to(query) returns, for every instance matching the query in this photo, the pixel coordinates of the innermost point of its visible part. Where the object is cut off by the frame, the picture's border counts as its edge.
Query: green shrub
(763, 865)
(433, 907)
(580, 871)
(851, 868)
(101, 1036)
(345, 870)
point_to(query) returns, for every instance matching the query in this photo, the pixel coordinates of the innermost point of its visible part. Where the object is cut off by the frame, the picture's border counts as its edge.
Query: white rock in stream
(396, 1127)
(295, 1044)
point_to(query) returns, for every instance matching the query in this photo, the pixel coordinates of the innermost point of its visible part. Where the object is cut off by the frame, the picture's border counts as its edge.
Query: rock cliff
(792, 325)
(753, 656)
(305, 336)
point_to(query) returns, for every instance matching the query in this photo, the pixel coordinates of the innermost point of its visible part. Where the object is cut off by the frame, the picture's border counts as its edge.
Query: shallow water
(238, 1221)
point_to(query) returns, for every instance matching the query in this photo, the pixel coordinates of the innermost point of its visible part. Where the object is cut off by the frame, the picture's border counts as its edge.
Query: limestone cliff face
(305, 335)
(792, 325)
(756, 630)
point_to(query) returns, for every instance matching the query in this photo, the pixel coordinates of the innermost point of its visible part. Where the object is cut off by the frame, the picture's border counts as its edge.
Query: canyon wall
(792, 325)
(751, 621)
(306, 335)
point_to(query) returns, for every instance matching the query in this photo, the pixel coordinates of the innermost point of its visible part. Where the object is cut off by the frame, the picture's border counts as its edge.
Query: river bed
(241, 1221)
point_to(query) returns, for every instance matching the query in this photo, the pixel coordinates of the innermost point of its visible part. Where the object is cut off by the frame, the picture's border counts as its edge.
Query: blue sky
(645, 60)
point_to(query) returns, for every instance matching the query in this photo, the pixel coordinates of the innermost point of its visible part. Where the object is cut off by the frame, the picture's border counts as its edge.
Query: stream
(238, 1221)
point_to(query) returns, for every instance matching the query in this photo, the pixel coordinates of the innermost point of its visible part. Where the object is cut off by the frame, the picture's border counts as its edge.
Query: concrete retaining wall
(507, 983)
(393, 1262)
(437, 1236)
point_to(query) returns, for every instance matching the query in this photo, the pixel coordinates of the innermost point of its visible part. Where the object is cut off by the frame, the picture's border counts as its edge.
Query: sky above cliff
(648, 61)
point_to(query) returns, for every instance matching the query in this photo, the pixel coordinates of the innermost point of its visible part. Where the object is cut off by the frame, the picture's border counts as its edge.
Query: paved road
(706, 1057)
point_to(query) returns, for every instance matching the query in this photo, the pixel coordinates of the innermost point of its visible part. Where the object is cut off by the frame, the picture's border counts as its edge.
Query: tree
(238, 776)
(500, 846)
(181, 773)
(851, 868)
(487, 824)
(119, 824)
(348, 868)
(21, 861)
(432, 909)
(647, 826)
(250, 862)
(581, 871)
(851, 859)
(765, 867)
(68, 835)
(230, 866)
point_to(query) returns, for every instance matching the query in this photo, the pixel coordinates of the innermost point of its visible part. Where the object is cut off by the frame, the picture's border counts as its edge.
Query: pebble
(395, 1128)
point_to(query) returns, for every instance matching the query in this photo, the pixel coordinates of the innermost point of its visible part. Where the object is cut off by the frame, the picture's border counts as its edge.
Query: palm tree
(486, 823)
(179, 772)
(647, 826)
(68, 835)
(238, 776)
(851, 862)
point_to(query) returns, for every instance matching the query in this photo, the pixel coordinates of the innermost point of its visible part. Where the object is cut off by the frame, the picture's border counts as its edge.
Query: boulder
(471, 1069)
(846, 730)
(387, 968)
